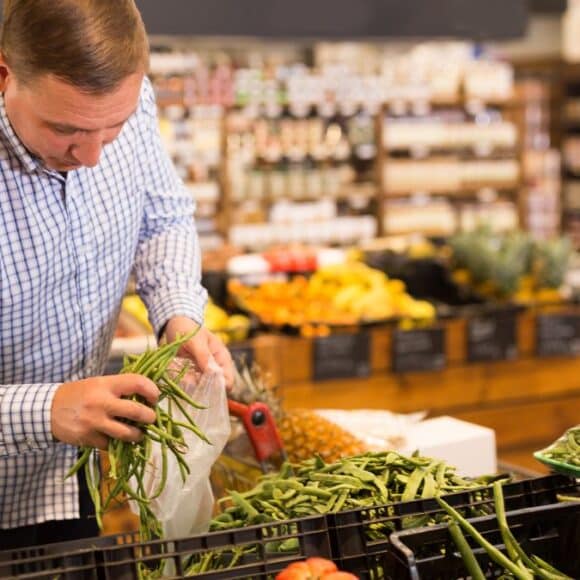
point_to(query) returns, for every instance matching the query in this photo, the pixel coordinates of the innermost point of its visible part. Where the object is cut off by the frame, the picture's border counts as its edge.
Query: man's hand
(202, 348)
(87, 412)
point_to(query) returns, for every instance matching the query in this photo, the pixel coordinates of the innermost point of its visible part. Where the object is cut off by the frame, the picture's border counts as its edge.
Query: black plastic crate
(550, 532)
(75, 560)
(307, 537)
(343, 537)
(361, 537)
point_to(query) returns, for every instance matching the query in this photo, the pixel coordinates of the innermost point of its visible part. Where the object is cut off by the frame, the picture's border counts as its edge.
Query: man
(87, 195)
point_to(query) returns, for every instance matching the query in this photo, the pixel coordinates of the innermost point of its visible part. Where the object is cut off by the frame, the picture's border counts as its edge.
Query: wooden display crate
(529, 401)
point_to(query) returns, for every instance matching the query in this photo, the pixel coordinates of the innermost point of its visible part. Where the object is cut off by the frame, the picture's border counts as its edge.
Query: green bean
(548, 568)
(83, 459)
(340, 501)
(244, 504)
(497, 556)
(429, 486)
(163, 480)
(413, 484)
(181, 394)
(469, 559)
(301, 498)
(503, 525)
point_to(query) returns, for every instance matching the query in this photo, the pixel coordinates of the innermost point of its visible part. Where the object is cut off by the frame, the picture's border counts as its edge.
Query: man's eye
(64, 130)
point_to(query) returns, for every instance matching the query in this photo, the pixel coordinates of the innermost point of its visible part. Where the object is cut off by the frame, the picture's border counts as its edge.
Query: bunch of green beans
(314, 487)
(566, 449)
(129, 461)
(516, 564)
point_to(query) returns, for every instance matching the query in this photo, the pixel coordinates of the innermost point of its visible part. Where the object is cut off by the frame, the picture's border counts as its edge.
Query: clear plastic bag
(185, 507)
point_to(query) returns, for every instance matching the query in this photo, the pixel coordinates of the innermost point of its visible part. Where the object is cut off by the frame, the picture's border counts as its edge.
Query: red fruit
(296, 571)
(320, 566)
(339, 576)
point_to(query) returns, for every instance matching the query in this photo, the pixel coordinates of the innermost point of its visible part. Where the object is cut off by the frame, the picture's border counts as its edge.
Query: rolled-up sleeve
(168, 260)
(25, 417)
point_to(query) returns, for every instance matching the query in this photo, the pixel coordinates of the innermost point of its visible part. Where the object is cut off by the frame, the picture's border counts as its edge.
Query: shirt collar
(30, 163)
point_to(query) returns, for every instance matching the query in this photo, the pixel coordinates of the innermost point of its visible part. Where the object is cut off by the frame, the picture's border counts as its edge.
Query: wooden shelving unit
(464, 112)
(570, 144)
(367, 192)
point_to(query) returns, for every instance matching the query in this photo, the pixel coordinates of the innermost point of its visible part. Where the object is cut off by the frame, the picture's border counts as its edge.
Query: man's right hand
(87, 412)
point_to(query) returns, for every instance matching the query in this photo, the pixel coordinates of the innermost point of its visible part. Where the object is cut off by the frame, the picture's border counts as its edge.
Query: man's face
(63, 126)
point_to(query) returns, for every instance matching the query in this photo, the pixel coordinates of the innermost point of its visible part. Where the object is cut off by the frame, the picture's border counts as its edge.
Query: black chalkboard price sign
(492, 337)
(341, 356)
(558, 334)
(419, 350)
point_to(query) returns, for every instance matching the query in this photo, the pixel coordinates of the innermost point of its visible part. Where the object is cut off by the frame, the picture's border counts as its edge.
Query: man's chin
(60, 166)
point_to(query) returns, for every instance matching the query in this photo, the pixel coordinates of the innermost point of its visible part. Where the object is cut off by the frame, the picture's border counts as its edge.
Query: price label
(558, 335)
(341, 356)
(492, 337)
(242, 354)
(419, 350)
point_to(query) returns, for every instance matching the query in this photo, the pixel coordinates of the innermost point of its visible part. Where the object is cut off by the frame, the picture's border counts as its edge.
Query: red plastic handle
(260, 427)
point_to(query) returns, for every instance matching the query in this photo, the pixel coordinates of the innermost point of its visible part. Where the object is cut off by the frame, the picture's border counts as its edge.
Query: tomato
(314, 569)
(320, 566)
(296, 571)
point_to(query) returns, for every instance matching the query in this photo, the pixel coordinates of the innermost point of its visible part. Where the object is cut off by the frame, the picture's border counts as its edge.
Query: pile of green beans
(363, 481)
(129, 461)
(314, 487)
(516, 564)
(566, 449)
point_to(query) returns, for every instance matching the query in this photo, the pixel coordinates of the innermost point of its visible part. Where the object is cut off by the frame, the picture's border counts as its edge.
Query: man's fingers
(222, 357)
(224, 360)
(122, 431)
(99, 441)
(132, 411)
(134, 384)
(199, 352)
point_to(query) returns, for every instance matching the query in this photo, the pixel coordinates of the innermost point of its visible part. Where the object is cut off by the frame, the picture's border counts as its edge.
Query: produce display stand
(509, 396)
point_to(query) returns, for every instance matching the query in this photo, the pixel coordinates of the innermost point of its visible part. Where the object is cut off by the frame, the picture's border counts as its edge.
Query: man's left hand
(202, 348)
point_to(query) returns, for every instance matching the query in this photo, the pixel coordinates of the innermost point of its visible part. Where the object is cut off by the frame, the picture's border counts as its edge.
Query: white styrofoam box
(469, 447)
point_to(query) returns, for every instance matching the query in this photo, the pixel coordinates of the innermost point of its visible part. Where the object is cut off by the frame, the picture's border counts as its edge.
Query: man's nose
(88, 152)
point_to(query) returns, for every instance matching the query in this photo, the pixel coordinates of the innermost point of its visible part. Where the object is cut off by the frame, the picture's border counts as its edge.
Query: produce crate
(124, 557)
(75, 560)
(303, 538)
(360, 537)
(550, 532)
(345, 537)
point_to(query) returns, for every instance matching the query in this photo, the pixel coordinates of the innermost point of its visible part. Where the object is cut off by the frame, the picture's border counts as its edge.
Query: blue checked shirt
(67, 247)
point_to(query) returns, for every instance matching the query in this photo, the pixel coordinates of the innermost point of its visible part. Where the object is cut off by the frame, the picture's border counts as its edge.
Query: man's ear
(5, 73)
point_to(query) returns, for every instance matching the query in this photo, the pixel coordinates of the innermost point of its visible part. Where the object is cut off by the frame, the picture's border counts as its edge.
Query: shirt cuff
(162, 307)
(25, 417)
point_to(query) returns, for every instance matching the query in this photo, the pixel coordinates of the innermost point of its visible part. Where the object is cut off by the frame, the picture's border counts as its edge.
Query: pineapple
(303, 432)
(306, 434)
(497, 264)
(553, 258)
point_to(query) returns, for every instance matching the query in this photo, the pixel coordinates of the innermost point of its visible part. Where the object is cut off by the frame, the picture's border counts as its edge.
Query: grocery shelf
(459, 193)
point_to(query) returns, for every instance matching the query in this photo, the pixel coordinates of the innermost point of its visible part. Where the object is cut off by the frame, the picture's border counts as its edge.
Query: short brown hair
(90, 44)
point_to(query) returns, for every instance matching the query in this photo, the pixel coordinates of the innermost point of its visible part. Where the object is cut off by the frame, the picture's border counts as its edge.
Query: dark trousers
(57, 531)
